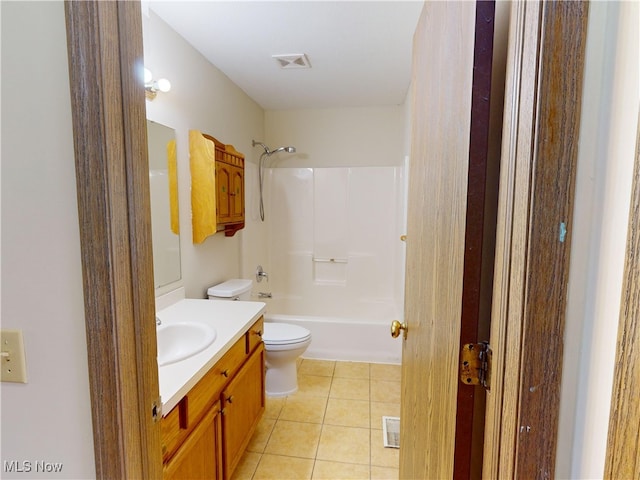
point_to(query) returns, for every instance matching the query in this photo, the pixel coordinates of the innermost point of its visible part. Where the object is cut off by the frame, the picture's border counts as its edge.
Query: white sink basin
(178, 341)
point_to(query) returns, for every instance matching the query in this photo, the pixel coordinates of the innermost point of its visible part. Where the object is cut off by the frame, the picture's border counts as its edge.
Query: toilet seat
(284, 334)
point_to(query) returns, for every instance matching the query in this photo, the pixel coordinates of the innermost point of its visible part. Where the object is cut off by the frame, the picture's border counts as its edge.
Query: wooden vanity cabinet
(206, 433)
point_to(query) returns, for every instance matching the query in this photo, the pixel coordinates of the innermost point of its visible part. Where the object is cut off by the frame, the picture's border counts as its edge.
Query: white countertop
(230, 319)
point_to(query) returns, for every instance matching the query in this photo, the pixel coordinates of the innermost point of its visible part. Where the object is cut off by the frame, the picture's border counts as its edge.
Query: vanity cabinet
(217, 187)
(206, 433)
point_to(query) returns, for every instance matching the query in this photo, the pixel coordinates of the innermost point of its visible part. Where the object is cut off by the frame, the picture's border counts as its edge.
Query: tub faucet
(260, 274)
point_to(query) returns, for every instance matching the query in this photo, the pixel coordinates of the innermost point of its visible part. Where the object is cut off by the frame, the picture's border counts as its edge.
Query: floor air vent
(391, 432)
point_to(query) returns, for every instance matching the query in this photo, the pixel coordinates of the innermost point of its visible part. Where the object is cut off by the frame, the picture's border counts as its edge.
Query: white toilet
(283, 342)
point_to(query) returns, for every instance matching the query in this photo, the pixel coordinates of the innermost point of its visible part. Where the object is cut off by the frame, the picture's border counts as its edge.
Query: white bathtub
(348, 340)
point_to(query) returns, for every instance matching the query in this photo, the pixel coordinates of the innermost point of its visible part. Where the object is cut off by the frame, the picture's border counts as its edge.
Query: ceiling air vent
(298, 60)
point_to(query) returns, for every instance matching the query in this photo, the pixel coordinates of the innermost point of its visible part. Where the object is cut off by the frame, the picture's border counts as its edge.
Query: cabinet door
(199, 456)
(243, 405)
(224, 185)
(237, 195)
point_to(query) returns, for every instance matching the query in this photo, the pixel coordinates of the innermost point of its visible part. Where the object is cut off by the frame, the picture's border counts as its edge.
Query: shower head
(284, 149)
(271, 152)
(267, 153)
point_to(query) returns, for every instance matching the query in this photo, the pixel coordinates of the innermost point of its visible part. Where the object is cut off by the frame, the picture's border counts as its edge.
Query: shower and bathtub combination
(334, 257)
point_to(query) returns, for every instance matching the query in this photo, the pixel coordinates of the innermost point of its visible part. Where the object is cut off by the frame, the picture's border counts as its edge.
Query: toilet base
(281, 380)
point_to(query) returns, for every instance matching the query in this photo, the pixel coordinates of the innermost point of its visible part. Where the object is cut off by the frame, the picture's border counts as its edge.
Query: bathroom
(358, 202)
(364, 285)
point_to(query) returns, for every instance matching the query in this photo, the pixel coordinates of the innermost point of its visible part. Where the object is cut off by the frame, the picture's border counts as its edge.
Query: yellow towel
(172, 166)
(203, 192)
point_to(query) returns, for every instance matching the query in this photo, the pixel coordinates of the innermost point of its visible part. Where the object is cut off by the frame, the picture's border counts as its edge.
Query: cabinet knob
(225, 373)
(230, 399)
(258, 332)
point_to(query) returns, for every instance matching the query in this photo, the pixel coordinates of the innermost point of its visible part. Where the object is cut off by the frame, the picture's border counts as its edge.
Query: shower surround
(335, 259)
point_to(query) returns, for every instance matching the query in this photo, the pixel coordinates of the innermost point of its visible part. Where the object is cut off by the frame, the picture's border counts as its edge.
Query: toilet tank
(236, 289)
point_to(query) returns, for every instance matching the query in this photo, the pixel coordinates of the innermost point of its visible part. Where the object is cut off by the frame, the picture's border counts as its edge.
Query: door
(436, 218)
(540, 132)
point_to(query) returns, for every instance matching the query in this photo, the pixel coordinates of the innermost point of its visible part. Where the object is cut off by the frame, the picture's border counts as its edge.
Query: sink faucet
(264, 294)
(158, 321)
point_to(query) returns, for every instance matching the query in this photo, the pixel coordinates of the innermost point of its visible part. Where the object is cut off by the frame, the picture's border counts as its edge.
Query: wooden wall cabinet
(205, 435)
(217, 187)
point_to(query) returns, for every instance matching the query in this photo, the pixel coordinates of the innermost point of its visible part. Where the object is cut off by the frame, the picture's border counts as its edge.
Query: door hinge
(156, 410)
(475, 364)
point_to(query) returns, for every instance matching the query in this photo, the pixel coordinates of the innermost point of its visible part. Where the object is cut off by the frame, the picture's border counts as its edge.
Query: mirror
(163, 185)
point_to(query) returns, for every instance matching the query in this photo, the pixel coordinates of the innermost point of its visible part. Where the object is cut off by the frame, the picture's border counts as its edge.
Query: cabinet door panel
(243, 405)
(198, 456)
(224, 178)
(237, 195)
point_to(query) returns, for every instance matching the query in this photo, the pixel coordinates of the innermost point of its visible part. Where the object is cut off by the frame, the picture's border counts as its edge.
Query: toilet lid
(283, 333)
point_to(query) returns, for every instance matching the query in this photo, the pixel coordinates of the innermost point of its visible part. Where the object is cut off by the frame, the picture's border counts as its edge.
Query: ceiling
(359, 51)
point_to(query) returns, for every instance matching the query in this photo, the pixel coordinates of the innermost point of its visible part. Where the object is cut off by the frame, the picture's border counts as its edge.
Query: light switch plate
(12, 363)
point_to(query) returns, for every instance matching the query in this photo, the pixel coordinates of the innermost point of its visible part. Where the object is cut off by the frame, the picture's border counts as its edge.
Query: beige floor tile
(352, 370)
(294, 439)
(324, 470)
(347, 413)
(386, 371)
(279, 467)
(273, 407)
(350, 388)
(246, 467)
(304, 408)
(381, 456)
(322, 368)
(261, 436)
(313, 385)
(384, 473)
(383, 409)
(344, 444)
(384, 391)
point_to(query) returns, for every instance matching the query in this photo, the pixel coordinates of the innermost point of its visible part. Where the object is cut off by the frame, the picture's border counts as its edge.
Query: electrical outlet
(12, 363)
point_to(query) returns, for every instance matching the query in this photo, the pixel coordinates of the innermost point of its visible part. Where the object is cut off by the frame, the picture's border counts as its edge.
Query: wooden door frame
(110, 142)
(623, 442)
(540, 145)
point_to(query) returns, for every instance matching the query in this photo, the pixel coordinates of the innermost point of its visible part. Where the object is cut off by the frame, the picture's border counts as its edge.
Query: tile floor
(330, 429)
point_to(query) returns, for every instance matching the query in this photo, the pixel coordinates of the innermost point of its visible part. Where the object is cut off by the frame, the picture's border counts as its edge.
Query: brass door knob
(396, 326)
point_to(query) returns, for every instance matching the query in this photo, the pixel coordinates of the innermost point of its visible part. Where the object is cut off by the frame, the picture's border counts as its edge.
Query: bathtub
(334, 338)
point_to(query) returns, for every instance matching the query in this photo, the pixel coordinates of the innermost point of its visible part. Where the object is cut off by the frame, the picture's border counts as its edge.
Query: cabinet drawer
(225, 369)
(254, 335)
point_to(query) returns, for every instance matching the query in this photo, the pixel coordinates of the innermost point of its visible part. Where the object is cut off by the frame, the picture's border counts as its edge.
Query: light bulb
(164, 85)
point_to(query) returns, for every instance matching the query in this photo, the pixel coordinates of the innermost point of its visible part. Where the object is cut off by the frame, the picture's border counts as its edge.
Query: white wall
(339, 137)
(49, 418)
(201, 98)
(607, 147)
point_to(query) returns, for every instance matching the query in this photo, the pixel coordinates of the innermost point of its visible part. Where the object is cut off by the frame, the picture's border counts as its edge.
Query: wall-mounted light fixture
(152, 87)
